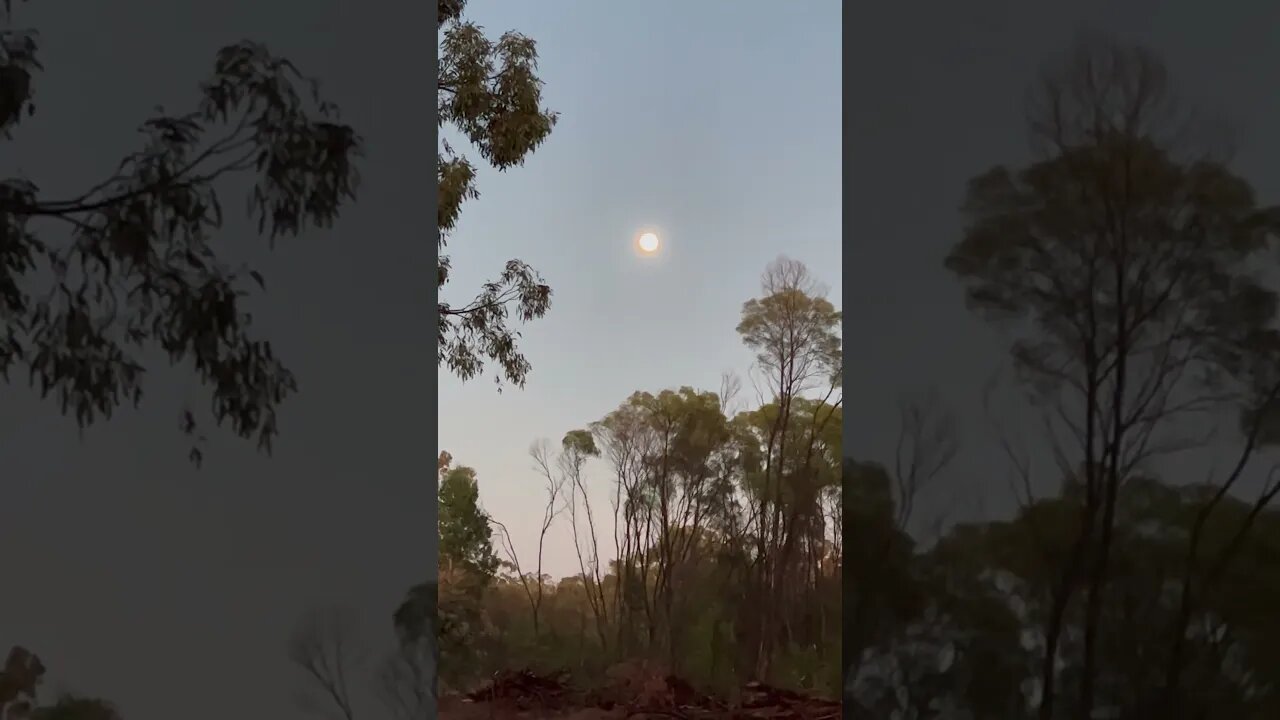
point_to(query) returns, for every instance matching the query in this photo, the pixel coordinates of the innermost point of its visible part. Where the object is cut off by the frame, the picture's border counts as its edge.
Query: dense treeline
(959, 629)
(719, 554)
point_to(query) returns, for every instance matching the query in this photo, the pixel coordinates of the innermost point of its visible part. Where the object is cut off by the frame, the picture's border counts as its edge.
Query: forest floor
(635, 692)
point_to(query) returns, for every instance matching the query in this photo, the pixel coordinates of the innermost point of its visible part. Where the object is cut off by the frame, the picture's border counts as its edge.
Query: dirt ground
(635, 691)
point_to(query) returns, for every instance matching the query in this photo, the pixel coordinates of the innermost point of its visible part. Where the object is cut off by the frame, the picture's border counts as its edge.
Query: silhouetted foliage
(971, 639)
(20, 681)
(1123, 266)
(490, 93)
(91, 284)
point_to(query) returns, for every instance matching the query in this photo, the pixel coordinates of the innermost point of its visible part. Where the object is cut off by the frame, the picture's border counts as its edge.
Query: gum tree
(1122, 265)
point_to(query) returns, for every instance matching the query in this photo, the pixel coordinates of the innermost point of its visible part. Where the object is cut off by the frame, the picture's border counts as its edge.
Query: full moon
(649, 243)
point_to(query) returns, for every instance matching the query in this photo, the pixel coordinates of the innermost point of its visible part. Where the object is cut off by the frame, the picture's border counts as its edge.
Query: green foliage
(697, 498)
(466, 543)
(806, 447)
(89, 284)
(793, 329)
(490, 92)
(580, 443)
(468, 565)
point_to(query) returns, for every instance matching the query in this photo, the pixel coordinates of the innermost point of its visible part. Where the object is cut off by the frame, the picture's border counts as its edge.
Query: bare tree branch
(324, 647)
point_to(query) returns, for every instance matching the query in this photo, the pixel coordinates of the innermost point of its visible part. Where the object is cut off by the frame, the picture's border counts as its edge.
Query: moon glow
(648, 243)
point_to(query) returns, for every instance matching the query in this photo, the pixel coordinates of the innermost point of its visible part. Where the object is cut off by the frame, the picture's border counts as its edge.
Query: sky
(930, 104)
(143, 580)
(172, 591)
(718, 123)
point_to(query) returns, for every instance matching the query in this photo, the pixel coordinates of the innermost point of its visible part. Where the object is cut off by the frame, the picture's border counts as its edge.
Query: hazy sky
(931, 103)
(169, 590)
(172, 591)
(716, 121)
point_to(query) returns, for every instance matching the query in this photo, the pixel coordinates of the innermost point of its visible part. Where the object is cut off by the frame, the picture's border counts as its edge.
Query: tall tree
(466, 540)
(1122, 267)
(90, 284)
(535, 588)
(468, 565)
(794, 332)
(488, 92)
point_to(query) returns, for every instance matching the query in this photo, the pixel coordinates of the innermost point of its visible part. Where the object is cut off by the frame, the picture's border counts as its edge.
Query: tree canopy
(714, 514)
(1123, 266)
(464, 528)
(92, 286)
(489, 92)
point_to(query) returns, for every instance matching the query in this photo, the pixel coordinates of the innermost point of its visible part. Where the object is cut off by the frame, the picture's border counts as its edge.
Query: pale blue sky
(718, 122)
